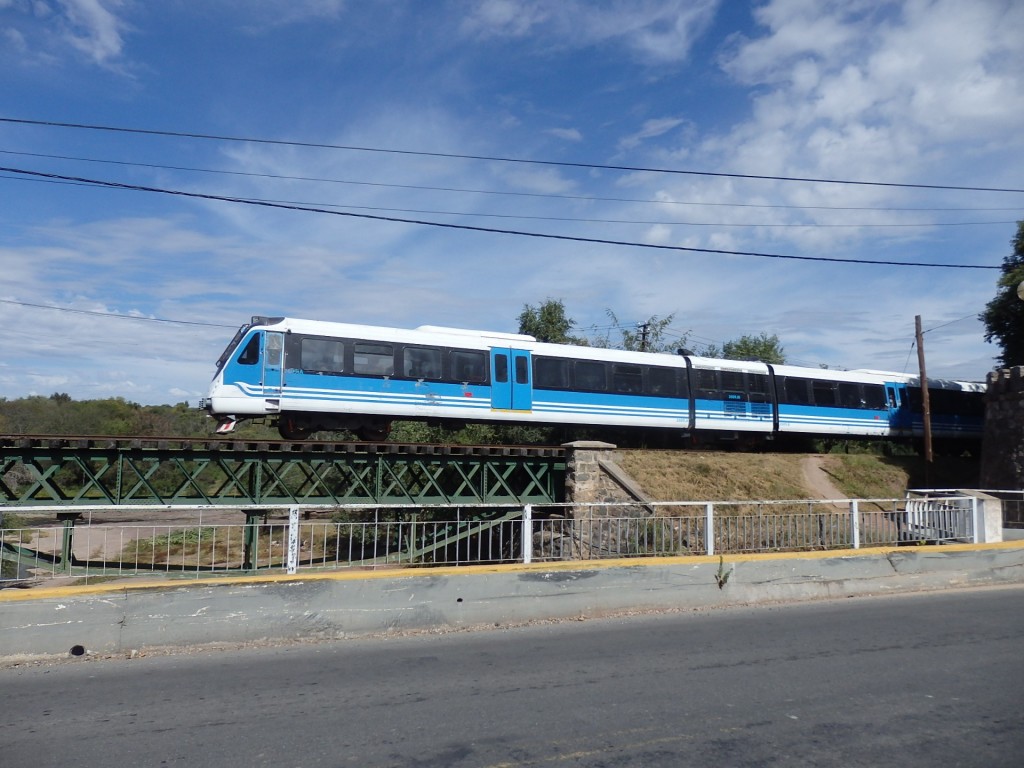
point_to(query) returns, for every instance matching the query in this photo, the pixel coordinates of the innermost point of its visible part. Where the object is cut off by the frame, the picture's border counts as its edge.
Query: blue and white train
(310, 375)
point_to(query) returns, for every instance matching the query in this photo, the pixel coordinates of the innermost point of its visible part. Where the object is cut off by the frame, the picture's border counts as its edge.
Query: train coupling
(227, 425)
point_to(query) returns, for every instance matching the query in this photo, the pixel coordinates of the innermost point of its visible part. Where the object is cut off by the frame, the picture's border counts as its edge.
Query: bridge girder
(90, 471)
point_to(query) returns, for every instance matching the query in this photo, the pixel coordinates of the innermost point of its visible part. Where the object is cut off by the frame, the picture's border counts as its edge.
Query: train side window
(913, 399)
(522, 370)
(661, 382)
(421, 363)
(251, 354)
(628, 379)
(321, 355)
(796, 391)
(732, 381)
(874, 397)
(707, 385)
(374, 359)
(590, 376)
(824, 392)
(468, 366)
(501, 369)
(275, 348)
(550, 373)
(938, 401)
(971, 404)
(757, 386)
(849, 395)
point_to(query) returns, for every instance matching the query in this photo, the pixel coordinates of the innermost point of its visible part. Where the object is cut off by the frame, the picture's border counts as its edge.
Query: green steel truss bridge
(76, 472)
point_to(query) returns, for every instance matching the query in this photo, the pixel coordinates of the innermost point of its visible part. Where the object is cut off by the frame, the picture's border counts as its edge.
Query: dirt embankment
(733, 476)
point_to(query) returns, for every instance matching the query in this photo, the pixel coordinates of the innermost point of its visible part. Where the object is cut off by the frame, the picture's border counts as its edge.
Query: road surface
(912, 680)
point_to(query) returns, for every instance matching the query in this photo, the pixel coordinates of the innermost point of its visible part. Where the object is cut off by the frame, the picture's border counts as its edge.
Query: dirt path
(817, 479)
(106, 535)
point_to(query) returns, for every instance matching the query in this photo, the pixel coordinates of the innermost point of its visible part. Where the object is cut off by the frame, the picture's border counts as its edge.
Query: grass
(864, 477)
(209, 544)
(714, 475)
(223, 546)
(733, 476)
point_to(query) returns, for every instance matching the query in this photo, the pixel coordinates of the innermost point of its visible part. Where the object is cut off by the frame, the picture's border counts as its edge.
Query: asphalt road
(913, 680)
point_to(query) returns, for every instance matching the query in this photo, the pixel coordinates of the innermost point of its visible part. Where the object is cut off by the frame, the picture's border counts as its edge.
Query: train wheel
(292, 428)
(372, 433)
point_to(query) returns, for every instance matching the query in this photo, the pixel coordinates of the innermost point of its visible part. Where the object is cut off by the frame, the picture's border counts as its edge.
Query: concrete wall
(1002, 454)
(121, 618)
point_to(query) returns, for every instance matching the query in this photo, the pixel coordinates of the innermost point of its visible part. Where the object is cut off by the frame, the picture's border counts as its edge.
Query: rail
(356, 536)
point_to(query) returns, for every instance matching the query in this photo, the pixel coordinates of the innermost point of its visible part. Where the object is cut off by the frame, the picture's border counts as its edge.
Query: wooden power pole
(925, 405)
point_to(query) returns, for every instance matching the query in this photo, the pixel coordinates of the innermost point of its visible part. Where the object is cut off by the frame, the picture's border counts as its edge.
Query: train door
(899, 413)
(273, 364)
(511, 380)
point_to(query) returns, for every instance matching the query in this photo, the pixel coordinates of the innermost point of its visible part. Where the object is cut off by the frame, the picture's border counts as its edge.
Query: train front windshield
(231, 345)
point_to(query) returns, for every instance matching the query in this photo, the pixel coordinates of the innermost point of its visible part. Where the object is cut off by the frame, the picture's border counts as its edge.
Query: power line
(470, 228)
(468, 190)
(495, 158)
(117, 315)
(582, 220)
(973, 316)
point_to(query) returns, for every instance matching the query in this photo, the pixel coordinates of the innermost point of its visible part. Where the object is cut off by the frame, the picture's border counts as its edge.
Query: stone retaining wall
(597, 488)
(1002, 455)
(592, 476)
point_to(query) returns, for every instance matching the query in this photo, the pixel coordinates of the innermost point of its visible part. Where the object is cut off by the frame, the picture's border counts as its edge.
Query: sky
(449, 162)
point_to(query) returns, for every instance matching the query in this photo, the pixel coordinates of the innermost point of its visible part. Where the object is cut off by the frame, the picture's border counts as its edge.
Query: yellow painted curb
(41, 593)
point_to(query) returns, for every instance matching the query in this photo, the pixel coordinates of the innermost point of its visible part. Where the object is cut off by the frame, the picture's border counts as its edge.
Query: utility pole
(925, 404)
(644, 327)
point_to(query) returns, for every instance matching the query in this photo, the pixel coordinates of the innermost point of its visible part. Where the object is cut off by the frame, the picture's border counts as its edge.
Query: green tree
(1004, 315)
(548, 322)
(648, 336)
(763, 347)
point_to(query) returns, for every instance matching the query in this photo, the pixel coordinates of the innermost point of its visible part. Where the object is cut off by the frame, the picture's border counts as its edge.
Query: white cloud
(798, 29)
(51, 32)
(655, 30)
(264, 16)
(94, 28)
(825, 65)
(504, 18)
(569, 134)
(863, 91)
(650, 129)
(15, 39)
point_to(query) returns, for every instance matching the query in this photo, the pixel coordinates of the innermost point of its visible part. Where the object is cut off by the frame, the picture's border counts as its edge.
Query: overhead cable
(465, 190)
(118, 315)
(490, 230)
(494, 158)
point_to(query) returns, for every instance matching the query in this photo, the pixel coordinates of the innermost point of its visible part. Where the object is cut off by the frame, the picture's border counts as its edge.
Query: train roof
(828, 374)
(933, 383)
(423, 335)
(475, 339)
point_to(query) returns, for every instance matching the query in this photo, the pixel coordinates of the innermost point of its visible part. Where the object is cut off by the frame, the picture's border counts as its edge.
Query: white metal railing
(359, 538)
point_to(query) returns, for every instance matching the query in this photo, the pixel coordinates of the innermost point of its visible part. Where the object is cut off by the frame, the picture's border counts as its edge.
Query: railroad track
(244, 445)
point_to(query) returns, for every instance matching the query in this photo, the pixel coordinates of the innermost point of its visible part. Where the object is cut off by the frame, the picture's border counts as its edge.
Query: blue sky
(922, 92)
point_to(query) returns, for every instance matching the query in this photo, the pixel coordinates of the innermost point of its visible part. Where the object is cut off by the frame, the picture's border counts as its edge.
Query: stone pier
(598, 489)
(1002, 453)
